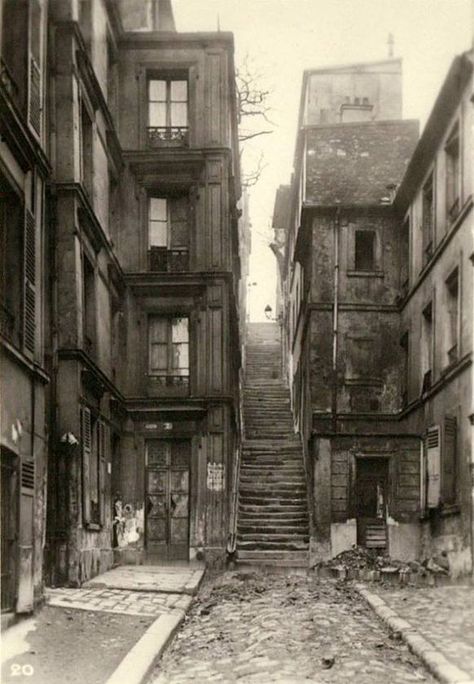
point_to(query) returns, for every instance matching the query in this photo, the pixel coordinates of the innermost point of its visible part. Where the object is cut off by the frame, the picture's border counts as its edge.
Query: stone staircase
(273, 513)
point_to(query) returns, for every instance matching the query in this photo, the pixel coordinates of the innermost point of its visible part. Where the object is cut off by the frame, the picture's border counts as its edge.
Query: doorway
(9, 528)
(167, 499)
(371, 502)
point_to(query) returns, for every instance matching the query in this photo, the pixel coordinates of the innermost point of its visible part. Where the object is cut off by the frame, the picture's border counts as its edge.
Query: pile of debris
(370, 564)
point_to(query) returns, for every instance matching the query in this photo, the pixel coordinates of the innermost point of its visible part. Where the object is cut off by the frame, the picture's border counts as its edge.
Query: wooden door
(371, 502)
(167, 499)
(9, 528)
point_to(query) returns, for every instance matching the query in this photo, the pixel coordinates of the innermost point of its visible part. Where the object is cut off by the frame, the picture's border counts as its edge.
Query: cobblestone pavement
(272, 628)
(443, 615)
(118, 601)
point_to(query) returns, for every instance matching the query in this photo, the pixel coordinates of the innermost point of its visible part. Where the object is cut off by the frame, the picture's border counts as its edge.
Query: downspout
(335, 320)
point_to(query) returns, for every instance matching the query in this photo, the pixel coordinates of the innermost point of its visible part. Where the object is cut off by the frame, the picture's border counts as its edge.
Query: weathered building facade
(24, 172)
(140, 313)
(346, 251)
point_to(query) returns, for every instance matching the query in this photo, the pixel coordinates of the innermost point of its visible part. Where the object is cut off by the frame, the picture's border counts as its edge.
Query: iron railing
(167, 136)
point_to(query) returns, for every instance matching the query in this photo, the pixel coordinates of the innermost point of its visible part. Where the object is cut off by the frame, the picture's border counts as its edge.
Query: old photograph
(237, 338)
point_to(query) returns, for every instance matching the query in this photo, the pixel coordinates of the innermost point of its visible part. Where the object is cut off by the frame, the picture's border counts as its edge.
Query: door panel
(167, 510)
(9, 531)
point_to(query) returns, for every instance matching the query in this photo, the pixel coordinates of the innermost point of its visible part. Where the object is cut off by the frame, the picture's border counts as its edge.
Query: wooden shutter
(29, 282)
(27, 499)
(433, 462)
(449, 460)
(34, 67)
(86, 440)
(102, 465)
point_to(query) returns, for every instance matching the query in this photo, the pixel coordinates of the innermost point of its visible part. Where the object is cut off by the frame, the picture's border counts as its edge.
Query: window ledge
(450, 509)
(93, 527)
(365, 274)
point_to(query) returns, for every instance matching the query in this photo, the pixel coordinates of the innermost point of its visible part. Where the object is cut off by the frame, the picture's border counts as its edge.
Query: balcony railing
(426, 381)
(453, 211)
(453, 354)
(162, 260)
(167, 136)
(7, 82)
(170, 380)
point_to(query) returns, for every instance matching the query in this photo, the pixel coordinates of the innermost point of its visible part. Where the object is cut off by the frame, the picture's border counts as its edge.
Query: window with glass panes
(168, 338)
(168, 233)
(167, 108)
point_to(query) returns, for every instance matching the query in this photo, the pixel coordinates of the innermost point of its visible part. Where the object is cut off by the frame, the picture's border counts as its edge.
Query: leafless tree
(254, 113)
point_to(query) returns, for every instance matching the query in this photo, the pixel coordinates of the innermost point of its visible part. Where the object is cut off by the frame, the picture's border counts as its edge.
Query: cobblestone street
(253, 628)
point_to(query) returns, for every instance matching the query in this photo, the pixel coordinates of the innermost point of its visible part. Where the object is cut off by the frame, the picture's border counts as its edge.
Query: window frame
(428, 217)
(453, 173)
(172, 253)
(169, 134)
(170, 371)
(453, 316)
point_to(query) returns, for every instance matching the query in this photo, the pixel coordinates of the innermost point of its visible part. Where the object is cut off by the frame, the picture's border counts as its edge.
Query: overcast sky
(284, 37)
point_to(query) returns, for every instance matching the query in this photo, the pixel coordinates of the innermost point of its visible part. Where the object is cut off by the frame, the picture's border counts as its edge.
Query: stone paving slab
(444, 616)
(174, 579)
(118, 601)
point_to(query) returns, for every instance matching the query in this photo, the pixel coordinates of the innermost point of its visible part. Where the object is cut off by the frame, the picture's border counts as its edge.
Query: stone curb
(138, 662)
(435, 662)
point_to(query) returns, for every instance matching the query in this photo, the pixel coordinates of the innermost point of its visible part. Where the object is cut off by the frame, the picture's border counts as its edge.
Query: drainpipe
(335, 320)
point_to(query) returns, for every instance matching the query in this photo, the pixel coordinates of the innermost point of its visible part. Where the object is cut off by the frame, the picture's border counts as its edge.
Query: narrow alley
(284, 628)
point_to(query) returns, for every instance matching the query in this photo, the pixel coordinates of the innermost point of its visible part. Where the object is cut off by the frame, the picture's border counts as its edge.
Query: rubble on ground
(372, 564)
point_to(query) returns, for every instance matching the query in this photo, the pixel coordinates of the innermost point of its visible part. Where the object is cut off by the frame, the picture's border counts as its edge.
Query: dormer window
(168, 110)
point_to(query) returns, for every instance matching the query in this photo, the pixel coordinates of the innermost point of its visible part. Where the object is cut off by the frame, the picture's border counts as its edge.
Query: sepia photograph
(237, 341)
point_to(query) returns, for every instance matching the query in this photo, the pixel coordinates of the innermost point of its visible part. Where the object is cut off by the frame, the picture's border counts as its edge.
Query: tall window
(168, 110)
(168, 233)
(448, 478)
(428, 219)
(405, 258)
(86, 150)
(89, 306)
(427, 347)
(452, 174)
(404, 344)
(168, 339)
(94, 436)
(364, 250)
(452, 312)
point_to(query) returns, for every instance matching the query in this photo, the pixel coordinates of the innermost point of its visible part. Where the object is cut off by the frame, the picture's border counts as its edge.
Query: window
(364, 250)
(448, 481)
(404, 345)
(168, 233)
(89, 306)
(427, 347)
(452, 312)
(86, 151)
(427, 220)
(168, 110)
(452, 174)
(94, 453)
(405, 259)
(11, 260)
(168, 339)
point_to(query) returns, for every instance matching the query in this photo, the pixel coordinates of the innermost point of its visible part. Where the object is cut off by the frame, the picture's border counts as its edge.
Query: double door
(167, 499)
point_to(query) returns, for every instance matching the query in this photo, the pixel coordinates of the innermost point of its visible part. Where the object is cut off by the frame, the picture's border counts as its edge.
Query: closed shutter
(449, 460)
(433, 459)
(86, 439)
(25, 599)
(29, 282)
(34, 67)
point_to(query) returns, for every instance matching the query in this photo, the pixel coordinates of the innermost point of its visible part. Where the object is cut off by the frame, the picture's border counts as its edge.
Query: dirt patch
(74, 646)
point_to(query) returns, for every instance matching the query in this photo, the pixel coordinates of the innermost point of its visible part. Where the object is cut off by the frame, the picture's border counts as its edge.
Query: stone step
(277, 489)
(272, 527)
(299, 538)
(277, 502)
(262, 554)
(271, 478)
(270, 509)
(274, 518)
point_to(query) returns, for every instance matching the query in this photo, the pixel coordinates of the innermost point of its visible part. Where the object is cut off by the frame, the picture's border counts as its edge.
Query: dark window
(364, 250)
(168, 233)
(89, 306)
(168, 358)
(85, 22)
(405, 258)
(452, 309)
(86, 150)
(11, 263)
(168, 109)
(452, 174)
(428, 219)
(404, 345)
(427, 347)
(448, 483)
(14, 61)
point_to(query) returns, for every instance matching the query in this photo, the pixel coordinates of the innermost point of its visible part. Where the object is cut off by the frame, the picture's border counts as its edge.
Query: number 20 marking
(16, 670)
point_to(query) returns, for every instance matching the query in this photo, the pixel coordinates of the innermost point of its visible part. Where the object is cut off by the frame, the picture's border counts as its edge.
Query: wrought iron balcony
(170, 380)
(167, 136)
(163, 260)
